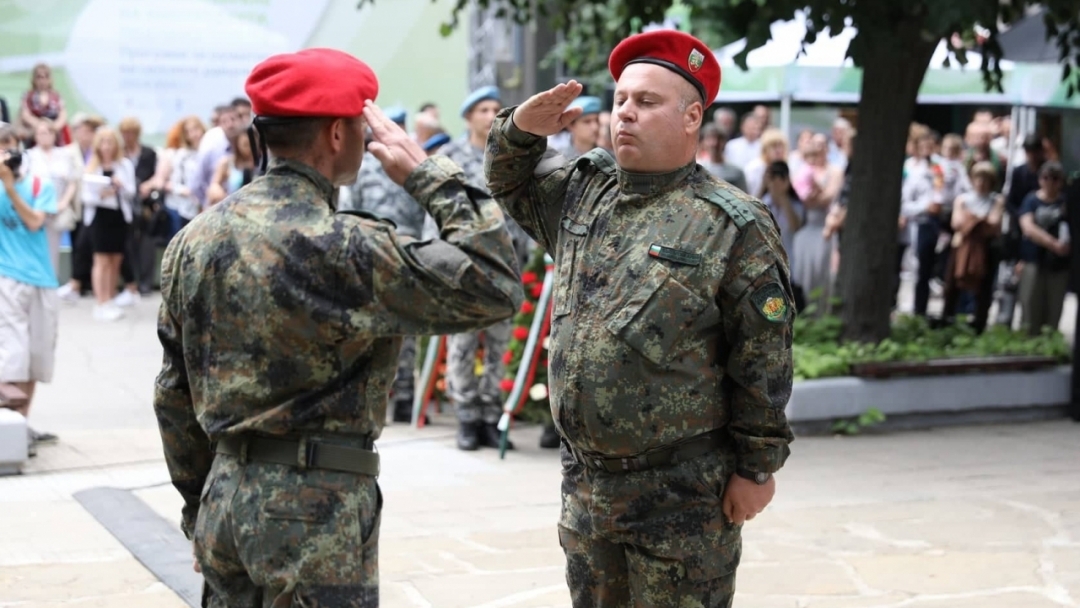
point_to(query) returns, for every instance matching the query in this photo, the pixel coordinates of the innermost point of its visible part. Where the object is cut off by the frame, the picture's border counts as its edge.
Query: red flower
(507, 385)
(508, 356)
(527, 308)
(521, 333)
(528, 278)
(537, 290)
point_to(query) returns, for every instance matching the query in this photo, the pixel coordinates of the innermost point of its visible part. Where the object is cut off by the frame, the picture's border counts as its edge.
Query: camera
(14, 160)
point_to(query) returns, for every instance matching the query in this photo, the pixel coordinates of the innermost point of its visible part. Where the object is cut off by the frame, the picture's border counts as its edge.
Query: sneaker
(127, 298)
(107, 312)
(67, 294)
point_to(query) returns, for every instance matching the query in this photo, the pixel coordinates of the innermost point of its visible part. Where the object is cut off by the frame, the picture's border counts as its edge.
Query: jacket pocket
(571, 235)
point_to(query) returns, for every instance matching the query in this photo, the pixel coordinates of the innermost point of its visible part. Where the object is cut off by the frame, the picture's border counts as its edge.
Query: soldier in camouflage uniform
(280, 320)
(476, 400)
(670, 357)
(585, 130)
(375, 193)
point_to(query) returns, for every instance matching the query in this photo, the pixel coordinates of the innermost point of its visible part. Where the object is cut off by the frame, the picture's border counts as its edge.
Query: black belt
(353, 455)
(690, 449)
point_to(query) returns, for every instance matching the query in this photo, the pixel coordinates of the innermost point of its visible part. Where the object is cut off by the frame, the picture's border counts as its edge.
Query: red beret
(677, 51)
(312, 82)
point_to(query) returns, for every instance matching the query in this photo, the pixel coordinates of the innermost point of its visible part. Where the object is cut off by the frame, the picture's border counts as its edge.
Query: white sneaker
(107, 312)
(127, 298)
(67, 294)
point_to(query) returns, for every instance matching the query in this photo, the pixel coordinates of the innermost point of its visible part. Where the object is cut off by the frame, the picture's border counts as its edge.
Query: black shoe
(490, 435)
(550, 439)
(467, 436)
(403, 411)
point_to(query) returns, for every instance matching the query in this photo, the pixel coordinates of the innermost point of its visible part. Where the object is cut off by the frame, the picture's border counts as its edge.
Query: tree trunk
(893, 68)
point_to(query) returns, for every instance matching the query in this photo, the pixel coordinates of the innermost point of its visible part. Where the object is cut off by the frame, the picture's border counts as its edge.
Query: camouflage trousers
(649, 539)
(476, 398)
(405, 380)
(269, 535)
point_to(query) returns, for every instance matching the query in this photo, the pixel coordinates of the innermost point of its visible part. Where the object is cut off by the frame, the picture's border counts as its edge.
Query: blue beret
(435, 141)
(396, 114)
(588, 105)
(481, 94)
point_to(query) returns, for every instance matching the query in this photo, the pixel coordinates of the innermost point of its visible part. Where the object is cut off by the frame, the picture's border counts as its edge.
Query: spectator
(920, 207)
(764, 116)
(426, 127)
(774, 148)
(817, 186)
(841, 135)
(216, 144)
(108, 193)
(796, 158)
(59, 165)
(430, 109)
(976, 222)
(242, 107)
(742, 150)
(176, 170)
(1025, 180)
(84, 127)
(142, 245)
(978, 138)
(42, 104)
(1044, 274)
(232, 172)
(27, 281)
(716, 163)
(724, 118)
(780, 197)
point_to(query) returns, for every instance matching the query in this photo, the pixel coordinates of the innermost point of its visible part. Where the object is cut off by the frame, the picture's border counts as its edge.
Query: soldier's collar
(286, 166)
(653, 183)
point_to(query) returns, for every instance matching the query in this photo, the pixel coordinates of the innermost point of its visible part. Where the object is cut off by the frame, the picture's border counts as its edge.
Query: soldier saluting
(670, 357)
(281, 322)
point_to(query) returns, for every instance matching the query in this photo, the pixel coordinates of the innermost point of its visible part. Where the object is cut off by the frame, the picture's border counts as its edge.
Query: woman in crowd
(976, 222)
(108, 192)
(817, 186)
(782, 200)
(232, 173)
(1044, 252)
(43, 105)
(774, 148)
(178, 169)
(58, 164)
(713, 143)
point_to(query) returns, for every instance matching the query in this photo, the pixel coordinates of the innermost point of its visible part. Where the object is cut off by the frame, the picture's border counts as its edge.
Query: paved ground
(985, 517)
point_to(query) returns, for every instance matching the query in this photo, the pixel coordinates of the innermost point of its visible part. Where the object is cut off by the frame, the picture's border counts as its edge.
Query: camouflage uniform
(671, 319)
(280, 318)
(477, 399)
(377, 194)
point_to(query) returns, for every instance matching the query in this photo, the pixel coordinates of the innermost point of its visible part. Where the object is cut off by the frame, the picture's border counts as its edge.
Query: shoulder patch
(771, 303)
(732, 204)
(366, 215)
(599, 158)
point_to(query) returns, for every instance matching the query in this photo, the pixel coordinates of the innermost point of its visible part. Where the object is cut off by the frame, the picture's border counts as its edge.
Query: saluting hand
(398, 153)
(545, 113)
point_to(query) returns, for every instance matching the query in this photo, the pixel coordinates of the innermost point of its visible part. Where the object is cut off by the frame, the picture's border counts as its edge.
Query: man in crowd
(281, 321)
(670, 357)
(28, 302)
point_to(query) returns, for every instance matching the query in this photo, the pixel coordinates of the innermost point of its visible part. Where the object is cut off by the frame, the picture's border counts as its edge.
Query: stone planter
(814, 402)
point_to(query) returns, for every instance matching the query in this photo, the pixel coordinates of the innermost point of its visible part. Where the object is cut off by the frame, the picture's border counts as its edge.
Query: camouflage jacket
(471, 160)
(377, 194)
(279, 316)
(672, 312)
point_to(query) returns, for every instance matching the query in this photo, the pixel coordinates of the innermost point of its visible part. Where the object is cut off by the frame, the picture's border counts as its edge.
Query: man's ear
(336, 134)
(693, 117)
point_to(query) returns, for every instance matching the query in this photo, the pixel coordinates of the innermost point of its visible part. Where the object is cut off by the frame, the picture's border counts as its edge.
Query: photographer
(28, 303)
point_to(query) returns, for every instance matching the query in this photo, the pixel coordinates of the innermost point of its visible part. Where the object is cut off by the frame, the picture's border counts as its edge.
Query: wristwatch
(758, 478)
